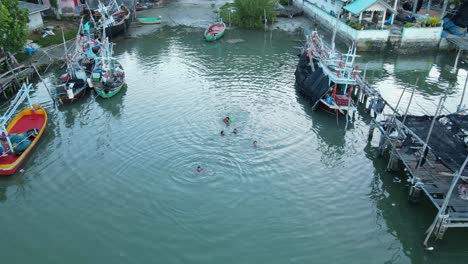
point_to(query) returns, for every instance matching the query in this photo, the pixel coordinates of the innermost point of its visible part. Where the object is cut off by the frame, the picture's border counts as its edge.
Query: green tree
(250, 13)
(13, 26)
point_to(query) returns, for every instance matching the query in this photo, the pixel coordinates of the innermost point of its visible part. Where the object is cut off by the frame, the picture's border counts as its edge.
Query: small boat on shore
(149, 20)
(20, 133)
(215, 31)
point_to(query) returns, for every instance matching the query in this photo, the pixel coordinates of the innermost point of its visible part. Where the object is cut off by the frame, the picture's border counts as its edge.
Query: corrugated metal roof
(358, 6)
(32, 8)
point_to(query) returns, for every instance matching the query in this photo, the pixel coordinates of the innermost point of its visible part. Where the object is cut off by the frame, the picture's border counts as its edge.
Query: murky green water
(114, 181)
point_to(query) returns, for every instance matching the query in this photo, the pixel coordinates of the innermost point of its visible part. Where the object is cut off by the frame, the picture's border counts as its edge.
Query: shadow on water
(13, 186)
(329, 129)
(113, 105)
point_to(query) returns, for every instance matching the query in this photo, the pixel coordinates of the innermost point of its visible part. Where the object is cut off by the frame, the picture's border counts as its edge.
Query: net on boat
(314, 84)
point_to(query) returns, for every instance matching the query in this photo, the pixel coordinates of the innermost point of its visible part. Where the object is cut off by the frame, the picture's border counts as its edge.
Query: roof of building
(32, 8)
(358, 6)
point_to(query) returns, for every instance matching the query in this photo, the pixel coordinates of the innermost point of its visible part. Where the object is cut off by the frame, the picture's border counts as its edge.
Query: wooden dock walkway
(431, 149)
(11, 80)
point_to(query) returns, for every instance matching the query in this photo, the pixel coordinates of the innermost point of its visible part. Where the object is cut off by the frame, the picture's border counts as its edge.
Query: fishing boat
(75, 85)
(108, 76)
(114, 18)
(215, 31)
(326, 77)
(20, 132)
(149, 20)
(74, 80)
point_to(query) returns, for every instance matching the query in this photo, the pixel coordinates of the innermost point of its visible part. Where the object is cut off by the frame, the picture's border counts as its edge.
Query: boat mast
(334, 35)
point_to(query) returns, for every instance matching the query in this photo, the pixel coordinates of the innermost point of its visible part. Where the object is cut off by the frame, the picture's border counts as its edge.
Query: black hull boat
(311, 84)
(119, 28)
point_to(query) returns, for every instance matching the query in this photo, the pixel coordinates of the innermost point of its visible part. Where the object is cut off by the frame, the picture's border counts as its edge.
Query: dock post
(460, 106)
(382, 144)
(371, 131)
(393, 162)
(439, 225)
(415, 192)
(456, 59)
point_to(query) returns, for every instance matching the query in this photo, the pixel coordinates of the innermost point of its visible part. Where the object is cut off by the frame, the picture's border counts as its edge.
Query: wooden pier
(432, 151)
(11, 80)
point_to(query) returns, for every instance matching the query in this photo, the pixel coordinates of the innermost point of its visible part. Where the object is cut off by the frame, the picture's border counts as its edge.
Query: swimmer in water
(227, 120)
(255, 143)
(199, 168)
(222, 133)
(234, 131)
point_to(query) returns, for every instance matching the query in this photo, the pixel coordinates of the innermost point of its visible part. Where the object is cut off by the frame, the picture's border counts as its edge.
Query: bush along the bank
(249, 13)
(354, 24)
(430, 22)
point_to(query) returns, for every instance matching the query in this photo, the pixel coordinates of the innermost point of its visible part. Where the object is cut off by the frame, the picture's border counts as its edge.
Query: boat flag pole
(334, 35)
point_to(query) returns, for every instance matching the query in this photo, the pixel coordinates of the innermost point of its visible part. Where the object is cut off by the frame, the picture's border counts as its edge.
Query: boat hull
(209, 36)
(29, 118)
(65, 100)
(118, 29)
(313, 85)
(100, 91)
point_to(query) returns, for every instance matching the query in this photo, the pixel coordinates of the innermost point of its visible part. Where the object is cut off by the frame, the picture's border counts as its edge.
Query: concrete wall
(421, 37)
(328, 5)
(35, 21)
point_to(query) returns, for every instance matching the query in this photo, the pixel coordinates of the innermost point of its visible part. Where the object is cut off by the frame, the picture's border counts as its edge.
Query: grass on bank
(54, 39)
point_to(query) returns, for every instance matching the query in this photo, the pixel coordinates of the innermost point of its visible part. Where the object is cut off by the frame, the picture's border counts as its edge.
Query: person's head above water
(199, 168)
(234, 131)
(255, 143)
(222, 132)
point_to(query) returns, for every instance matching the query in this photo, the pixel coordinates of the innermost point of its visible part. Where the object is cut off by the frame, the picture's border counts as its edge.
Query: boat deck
(24, 124)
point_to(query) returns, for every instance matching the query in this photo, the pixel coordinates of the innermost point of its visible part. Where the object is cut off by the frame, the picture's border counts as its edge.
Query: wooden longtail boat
(215, 31)
(20, 134)
(149, 20)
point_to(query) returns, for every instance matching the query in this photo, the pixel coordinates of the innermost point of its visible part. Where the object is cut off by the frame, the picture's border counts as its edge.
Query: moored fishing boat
(114, 18)
(108, 76)
(71, 91)
(149, 20)
(215, 31)
(326, 77)
(20, 132)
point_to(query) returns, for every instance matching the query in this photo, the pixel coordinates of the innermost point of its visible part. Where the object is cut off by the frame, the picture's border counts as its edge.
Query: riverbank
(200, 14)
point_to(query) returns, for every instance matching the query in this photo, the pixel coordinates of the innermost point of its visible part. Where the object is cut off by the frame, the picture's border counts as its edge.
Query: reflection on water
(124, 169)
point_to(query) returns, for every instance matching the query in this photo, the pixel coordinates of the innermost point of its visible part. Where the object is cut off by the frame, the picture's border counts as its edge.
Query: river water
(115, 181)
